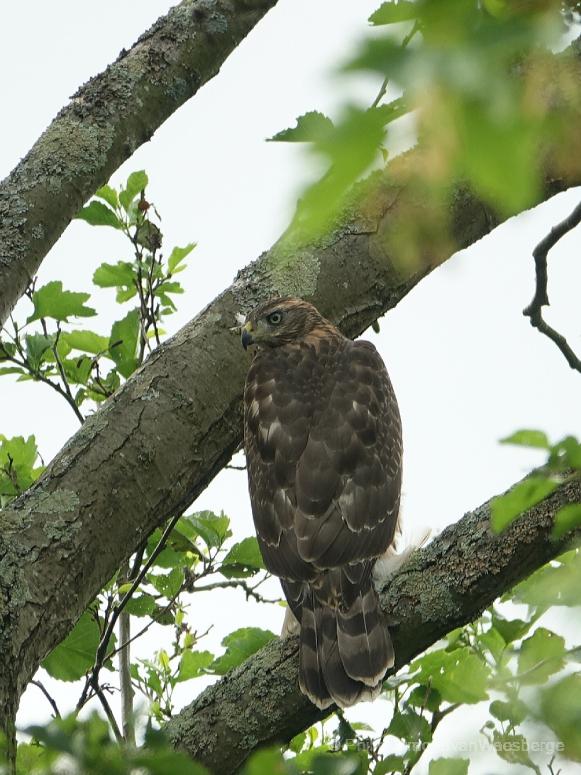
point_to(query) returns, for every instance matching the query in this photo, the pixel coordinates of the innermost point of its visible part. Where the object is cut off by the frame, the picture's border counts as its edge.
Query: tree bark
(106, 120)
(441, 587)
(157, 443)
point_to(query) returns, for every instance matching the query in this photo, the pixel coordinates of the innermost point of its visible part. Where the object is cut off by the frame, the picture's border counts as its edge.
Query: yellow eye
(274, 318)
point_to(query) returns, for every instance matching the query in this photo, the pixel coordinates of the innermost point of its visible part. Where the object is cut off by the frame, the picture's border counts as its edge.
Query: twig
(44, 690)
(233, 584)
(383, 88)
(67, 391)
(104, 642)
(127, 715)
(541, 297)
(108, 712)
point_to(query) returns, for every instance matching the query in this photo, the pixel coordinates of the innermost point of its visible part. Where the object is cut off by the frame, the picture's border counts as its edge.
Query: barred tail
(344, 654)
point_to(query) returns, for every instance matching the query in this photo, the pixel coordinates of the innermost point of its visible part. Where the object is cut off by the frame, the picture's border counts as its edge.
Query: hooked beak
(247, 335)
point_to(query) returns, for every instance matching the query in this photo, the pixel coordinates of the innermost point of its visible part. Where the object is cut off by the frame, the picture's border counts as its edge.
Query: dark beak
(246, 338)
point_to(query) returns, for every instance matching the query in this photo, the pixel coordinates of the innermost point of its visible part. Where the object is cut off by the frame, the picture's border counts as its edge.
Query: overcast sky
(467, 367)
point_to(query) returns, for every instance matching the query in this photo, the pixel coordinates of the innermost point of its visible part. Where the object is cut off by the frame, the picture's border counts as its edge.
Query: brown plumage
(323, 446)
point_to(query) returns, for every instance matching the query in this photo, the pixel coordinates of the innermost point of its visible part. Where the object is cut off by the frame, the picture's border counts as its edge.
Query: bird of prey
(323, 445)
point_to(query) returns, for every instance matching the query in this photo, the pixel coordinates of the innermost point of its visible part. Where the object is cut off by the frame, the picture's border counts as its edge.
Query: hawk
(322, 435)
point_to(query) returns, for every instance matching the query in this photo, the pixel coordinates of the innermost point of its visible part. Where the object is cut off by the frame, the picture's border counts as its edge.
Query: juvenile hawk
(323, 446)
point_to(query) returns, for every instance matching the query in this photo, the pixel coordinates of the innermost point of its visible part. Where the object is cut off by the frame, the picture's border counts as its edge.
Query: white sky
(467, 366)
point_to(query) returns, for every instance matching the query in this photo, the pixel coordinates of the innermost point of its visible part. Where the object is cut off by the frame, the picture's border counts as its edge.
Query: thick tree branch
(156, 444)
(107, 119)
(442, 587)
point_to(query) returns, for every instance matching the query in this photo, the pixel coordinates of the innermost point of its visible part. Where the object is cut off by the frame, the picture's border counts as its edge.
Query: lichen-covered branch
(155, 445)
(441, 587)
(107, 119)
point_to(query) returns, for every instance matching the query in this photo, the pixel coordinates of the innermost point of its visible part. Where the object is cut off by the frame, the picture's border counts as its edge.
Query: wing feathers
(323, 447)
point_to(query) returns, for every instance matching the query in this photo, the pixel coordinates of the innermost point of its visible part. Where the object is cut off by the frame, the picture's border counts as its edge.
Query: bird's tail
(344, 653)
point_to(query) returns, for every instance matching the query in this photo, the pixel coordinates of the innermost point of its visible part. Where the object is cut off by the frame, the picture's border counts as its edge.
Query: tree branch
(443, 586)
(541, 298)
(105, 122)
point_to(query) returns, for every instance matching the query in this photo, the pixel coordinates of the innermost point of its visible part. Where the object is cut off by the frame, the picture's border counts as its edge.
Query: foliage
(563, 463)
(87, 747)
(470, 77)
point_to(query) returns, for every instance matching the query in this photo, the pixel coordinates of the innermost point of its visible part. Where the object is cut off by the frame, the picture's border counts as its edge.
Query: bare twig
(101, 655)
(383, 88)
(50, 699)
(541, 297)
(66, 392)
(108, 712)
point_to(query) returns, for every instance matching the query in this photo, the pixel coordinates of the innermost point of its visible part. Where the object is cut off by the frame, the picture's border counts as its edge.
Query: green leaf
(177, 256)
(310, 127)
(459, 675)
(116, 275)
(494, 642)
(72, 658)
(448, 767)
(7, 349)
(561, 711)
(513, 749)
(17, 459)
(109, 195)
(394, 13)
(566, 453)
(348, 149)
(528, 438)
(240, 645)
(540, 656)
(98, 214)
(123, 343)
(556, 583)
(37, 348)
(168, 584)
(12, 370)
(425, 697)
(510, 629)
(523, 496)
(77, 370)
(124, 294)
(244, 559)
(51, 301)
(267, 761)
(136, 183)
(194, 664)
(389, 764)
(297, 743)
(149, 235)
(86, 341)
(514, 711)
(410, 726)
(142, 605)
(566, 519)
(212, 529)
(170, 287)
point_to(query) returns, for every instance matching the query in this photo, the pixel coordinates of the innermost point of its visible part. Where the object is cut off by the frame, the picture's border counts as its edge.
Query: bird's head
(281, 321)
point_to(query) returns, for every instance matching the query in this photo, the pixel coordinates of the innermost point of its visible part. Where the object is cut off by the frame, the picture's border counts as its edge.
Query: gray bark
(441, 587)
(107, 119)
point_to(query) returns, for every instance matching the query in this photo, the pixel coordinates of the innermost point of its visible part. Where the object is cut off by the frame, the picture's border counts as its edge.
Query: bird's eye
(274, 318)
